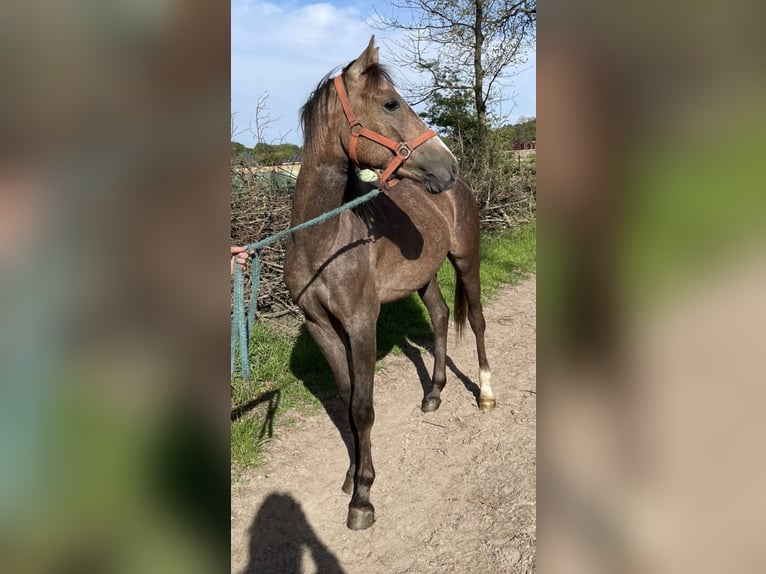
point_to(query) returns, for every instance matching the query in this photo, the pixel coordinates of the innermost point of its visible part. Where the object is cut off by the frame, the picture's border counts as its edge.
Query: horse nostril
(454, 168)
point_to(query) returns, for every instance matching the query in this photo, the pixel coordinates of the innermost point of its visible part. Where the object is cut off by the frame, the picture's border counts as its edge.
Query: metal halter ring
(356, 128)
(404, 151)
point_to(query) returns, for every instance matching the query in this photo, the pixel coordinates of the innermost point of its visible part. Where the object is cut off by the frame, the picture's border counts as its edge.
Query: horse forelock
(314, 120)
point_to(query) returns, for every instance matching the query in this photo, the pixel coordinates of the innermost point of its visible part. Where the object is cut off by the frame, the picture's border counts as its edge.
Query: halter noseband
(402, 150)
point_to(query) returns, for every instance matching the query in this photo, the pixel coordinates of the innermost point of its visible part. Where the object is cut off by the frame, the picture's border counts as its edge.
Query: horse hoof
(430, 404)
(486, 404)
(360, 518)
(348, 485)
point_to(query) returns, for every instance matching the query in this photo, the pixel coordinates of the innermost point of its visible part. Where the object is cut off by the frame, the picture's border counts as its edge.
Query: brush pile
(260, 207)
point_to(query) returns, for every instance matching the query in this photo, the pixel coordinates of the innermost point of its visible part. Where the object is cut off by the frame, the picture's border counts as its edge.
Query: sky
(282, 50)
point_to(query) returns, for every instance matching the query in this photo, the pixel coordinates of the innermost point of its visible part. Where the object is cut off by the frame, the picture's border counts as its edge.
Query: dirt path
(454, 490)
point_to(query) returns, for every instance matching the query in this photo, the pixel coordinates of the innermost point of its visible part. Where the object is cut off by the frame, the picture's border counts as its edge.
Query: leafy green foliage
(523, 130)
(266, 154)
(454, 112)
(273, 154)
(237, 149)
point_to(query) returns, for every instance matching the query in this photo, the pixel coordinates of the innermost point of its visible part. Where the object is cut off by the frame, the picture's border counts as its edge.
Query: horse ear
(364, 61)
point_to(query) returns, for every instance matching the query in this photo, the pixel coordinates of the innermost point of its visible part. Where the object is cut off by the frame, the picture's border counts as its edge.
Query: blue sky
(283, 50)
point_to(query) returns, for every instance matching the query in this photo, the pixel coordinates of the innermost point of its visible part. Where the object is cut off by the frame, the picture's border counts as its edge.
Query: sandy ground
(454, 489)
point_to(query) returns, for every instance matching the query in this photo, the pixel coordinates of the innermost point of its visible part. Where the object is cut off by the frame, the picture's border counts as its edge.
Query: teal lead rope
(242, 324)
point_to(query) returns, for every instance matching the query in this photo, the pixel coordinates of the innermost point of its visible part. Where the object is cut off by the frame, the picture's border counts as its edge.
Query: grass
(275, 390)
(290, 377)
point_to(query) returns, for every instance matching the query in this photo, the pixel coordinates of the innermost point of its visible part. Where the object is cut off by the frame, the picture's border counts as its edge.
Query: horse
(342, 270)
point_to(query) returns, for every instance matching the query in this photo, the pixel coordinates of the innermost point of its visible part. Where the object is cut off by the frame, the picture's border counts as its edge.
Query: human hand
(240, 255)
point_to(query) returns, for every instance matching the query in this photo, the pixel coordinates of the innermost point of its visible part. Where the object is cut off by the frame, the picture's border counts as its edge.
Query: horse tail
(461, 305)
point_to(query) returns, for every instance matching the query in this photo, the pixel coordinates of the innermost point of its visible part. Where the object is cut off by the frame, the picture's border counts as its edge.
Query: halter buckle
(404, 151)
(356, 128)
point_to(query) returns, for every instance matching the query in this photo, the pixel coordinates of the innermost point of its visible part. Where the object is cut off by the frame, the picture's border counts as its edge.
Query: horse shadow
(272, 399)
(409, 336)
(280, 535)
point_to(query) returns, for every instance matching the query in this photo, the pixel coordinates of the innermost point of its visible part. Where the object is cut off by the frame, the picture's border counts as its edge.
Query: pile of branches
(259, 209)
(505, 185)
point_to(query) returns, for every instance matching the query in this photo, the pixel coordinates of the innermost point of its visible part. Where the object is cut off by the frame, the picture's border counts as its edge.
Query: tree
(524, 130)
(463, 45)
(275, 154)
(454, 113)
(237, 149)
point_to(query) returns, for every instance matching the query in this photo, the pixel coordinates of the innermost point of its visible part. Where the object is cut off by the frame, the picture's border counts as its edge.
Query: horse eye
(391, 105)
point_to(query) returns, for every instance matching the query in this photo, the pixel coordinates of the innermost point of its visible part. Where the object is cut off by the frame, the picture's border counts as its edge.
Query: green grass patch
(279, 366)
(507, 257)
(290, 376)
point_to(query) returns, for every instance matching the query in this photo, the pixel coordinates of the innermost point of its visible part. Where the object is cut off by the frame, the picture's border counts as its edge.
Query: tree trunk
(478, 86)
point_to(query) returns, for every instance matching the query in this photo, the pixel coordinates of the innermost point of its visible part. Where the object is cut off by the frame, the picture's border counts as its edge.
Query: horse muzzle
(435, 179)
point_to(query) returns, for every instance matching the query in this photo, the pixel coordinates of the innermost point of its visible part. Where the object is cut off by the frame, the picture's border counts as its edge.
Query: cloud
(285, 50)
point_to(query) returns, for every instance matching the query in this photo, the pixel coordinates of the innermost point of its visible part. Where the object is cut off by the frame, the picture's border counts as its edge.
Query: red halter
(402, 150)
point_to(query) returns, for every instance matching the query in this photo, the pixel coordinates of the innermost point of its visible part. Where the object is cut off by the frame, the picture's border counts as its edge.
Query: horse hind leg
(439, 312)
(468, 295)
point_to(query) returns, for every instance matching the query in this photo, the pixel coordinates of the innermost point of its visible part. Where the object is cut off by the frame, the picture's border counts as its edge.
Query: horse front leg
(361, 332)
(439, 312)
(329, 337)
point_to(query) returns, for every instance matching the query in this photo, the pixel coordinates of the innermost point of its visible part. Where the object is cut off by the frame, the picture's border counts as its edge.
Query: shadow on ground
(280, 535)
(270, 397)
(403, 325)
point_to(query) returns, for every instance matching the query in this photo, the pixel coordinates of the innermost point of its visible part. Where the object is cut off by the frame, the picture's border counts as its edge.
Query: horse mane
(314, 120)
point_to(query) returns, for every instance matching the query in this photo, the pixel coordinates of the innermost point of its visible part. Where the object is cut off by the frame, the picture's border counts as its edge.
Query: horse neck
(320, 187)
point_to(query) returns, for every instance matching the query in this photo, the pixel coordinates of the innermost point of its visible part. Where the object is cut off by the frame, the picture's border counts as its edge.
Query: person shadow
(280, 535)
(403, 325)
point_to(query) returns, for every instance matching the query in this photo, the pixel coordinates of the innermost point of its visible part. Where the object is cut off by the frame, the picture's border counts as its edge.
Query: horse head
(383, 132)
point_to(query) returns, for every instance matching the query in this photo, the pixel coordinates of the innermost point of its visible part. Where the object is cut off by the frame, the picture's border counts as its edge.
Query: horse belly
(413, 244)
(397, 277)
